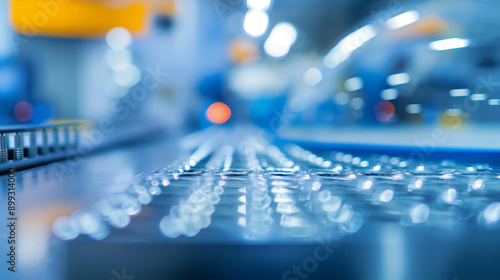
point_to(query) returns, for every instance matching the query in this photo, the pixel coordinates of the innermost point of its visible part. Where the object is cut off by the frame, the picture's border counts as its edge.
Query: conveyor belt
(435, 219)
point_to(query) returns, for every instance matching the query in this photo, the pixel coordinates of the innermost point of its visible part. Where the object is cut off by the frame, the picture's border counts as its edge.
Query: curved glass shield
(427, 74)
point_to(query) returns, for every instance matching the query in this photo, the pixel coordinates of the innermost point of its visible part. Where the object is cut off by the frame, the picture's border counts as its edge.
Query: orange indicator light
(218, 113)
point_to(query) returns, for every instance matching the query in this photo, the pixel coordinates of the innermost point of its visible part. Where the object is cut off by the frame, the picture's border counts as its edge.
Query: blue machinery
(26, 146)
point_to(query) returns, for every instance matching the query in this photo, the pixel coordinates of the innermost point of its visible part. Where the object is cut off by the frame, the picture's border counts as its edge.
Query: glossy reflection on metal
(264, 193)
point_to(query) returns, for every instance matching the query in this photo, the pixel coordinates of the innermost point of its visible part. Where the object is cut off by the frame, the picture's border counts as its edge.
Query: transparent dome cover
(427, 74)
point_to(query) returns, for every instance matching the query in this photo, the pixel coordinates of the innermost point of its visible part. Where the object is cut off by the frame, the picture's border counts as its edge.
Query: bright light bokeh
(259, 4)
(256, 22)
(312, 76)
(449, 44)
(281, 39)
(119, 38)
(402, 20)
(218, 113)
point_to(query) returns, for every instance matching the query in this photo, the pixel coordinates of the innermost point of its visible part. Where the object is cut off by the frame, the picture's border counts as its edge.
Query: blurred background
(185, 65)
(166, 61)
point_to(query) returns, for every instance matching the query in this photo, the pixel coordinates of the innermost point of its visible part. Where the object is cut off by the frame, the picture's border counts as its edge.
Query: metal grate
(255, 191)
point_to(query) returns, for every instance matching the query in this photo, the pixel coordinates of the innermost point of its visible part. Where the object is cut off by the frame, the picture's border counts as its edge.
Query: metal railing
(20, 145)
(23, 147)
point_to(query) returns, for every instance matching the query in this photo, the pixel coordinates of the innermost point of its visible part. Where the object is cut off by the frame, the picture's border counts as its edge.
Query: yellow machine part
(83, 18)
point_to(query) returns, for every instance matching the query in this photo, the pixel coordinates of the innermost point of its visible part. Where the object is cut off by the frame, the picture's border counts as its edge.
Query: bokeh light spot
(384, 110)
(127, 75)
(119, 38)
(243, 51)
(218, 112)
(23, 111)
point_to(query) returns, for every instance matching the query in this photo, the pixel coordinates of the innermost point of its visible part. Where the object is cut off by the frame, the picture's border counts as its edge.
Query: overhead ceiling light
(255, 23)
(402, 20)
(259, 4)
(449, 44)
(280, 40)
